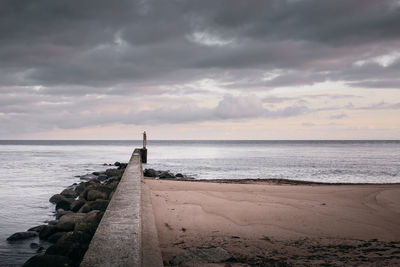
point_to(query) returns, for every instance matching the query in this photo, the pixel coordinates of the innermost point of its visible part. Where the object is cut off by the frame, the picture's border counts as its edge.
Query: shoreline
(274, 181)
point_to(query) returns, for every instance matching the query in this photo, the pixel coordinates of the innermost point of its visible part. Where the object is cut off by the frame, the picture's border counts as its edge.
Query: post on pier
(143, 151)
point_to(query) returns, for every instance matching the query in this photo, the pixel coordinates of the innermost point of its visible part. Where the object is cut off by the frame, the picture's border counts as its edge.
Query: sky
(220, 69)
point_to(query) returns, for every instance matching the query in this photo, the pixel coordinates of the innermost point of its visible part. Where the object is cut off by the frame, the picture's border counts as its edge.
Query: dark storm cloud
(101, 43)
(54, 55)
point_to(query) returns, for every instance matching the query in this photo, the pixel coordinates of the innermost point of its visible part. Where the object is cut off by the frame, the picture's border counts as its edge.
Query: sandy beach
(261, 223)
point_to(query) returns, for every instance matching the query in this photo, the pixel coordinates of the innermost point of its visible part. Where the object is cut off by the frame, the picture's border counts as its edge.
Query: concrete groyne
(126, 235)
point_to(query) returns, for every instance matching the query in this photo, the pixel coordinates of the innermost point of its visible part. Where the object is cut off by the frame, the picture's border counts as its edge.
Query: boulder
(102, 177)
(55, 237)
(64, 204)
(98, 187)
(57, 198)
(75, 236)
(37, 228)
(166, 174)
(150, 173)
(117, 163)
(122, 166)
(68, 193)
(88, 177)
(111, 180)
(48, 260)
(80, 187)
(99, 204)
(179, 175)
(77, 204)
(22, 235)
(47, 231)
(95, 194)
(93, 217)
(114, 172)
(65, 226)
(61, 213)
(34, 245)
(72, 217)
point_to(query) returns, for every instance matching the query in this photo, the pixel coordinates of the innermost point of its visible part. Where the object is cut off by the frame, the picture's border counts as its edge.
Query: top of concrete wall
(117, 241)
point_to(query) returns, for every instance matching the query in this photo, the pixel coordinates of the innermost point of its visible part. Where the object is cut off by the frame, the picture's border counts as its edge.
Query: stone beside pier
(126, 235)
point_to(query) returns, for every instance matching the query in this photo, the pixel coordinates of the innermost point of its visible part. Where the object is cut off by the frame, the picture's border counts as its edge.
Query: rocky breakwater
(159, 174)
(79, 210)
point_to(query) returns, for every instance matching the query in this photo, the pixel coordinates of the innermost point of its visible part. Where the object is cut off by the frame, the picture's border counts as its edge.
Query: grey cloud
(338, 116)
(99, 43)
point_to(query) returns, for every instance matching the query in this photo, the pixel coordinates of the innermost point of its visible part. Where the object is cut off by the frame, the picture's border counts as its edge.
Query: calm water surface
(32, 171)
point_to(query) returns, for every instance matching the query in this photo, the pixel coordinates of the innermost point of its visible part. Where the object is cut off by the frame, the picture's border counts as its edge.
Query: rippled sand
(260, 222)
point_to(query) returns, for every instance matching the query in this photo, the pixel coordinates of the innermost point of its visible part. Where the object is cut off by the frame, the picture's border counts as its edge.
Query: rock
(99, 204)
(77, 204)
(112, 179)
(71, 244)
(75, 236)
(112, 184)
(202, 255)
(52, 222)
(96, 173)
(61, 213)
(88, 177)
(98, 187)
(102, 177)
(80, 187)
(86, 208)
(65, 226)
(47, 231)
(64, 204)
(114, 172)
(68, 193)
(166, 174)
(55, 237)
(93, 217)
(150, 173)
(57, 198)
(34, 245)
(74, 251)
(22, 235)
(90, 222)
(95, 194)
(179, 175)
(122, 166)
(48, 260)
(72, 217)
(117, 163)
(37, 228)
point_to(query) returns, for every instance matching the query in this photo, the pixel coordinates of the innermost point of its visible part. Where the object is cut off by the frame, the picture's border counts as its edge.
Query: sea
(32, 171)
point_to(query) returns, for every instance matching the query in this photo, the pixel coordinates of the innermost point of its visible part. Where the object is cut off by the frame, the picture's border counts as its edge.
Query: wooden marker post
(143, 151)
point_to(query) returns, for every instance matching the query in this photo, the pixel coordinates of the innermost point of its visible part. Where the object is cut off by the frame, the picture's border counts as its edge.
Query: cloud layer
(186, 61)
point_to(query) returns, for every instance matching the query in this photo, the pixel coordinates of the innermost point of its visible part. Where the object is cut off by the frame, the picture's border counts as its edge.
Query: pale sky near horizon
(221, 69)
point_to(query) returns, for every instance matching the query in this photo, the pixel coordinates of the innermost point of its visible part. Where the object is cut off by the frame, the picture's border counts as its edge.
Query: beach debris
(168, 226)
(201, 255)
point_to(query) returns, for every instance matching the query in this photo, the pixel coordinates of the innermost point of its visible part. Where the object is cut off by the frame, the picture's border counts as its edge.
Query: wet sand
(266, 223)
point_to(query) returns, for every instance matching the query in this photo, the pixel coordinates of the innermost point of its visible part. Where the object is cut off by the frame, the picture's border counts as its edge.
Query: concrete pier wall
(118, 240)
